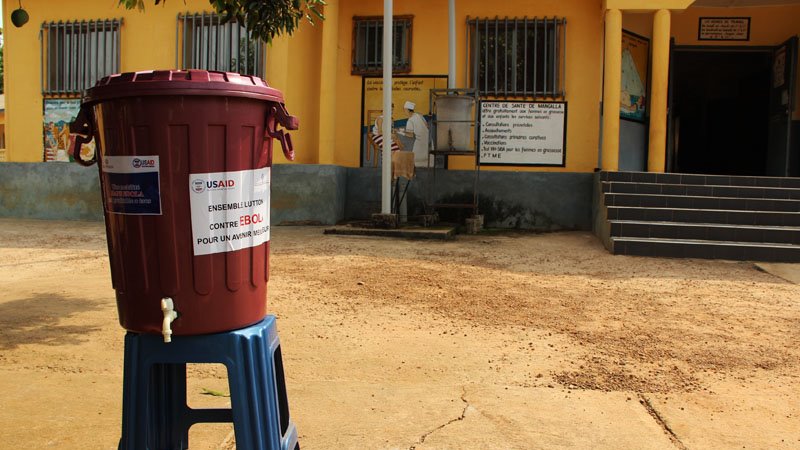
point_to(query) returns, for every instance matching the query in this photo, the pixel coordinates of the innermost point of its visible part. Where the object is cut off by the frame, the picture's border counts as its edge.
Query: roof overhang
(742, 3)
(679, 5)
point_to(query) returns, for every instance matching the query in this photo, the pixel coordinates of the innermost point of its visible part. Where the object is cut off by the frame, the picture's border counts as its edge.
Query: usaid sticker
(230, 210)
(131, 185)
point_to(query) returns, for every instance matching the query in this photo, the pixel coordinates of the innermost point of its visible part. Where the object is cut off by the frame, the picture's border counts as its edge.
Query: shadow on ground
(37, 320)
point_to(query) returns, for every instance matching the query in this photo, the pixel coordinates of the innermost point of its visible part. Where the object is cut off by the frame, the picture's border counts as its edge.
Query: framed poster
(58, 113)
(413, 88)
(723, 29)
(522, 133)
(635, 60)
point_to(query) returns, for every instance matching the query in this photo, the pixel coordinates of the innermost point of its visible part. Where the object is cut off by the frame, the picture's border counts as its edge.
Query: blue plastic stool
(155, 415)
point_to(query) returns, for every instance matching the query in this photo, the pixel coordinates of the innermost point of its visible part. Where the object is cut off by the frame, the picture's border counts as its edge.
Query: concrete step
(691, 248)
(721, 216)
(699, 202)
(705, 231)
(775, 193)
(405, 232)
(699, 179)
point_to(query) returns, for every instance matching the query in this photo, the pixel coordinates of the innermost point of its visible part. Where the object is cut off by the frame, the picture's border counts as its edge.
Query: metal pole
(451, 76)
(386, 161)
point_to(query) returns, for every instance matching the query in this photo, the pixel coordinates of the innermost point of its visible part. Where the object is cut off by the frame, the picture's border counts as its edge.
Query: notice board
(723, 29)
(413, 88)
(523, 133)
(58, 113)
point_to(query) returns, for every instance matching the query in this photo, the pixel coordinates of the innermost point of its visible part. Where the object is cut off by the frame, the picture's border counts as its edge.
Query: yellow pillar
(612, 74)
(659, 85)
(327, 90)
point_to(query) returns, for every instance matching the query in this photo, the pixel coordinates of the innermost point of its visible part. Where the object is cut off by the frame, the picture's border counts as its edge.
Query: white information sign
(724, 29)
(230, 210)
(523, 133)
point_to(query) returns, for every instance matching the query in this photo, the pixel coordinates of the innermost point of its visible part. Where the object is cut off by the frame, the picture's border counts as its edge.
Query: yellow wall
(429, 57)
(300, 85)
(148, 42)
(769, 26)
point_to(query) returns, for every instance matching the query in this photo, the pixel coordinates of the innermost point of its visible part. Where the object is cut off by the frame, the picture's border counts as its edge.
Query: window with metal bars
(368, 45)
(75, 54)
(519, 57)
(204, 41)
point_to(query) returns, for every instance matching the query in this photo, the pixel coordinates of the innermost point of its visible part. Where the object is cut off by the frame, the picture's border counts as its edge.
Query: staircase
(699, 216)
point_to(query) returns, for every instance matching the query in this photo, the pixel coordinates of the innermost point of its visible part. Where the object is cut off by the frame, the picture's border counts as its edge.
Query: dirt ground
(512, 341)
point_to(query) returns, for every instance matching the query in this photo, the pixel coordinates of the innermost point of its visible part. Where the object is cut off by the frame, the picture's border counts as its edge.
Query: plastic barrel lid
(181, 82)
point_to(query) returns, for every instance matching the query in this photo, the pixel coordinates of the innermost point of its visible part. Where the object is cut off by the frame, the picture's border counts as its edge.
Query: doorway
(720, 110)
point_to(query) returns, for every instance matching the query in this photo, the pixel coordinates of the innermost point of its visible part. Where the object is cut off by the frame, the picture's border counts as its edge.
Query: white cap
(409, 105)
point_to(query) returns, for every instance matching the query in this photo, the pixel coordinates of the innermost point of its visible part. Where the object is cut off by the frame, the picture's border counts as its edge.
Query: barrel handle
(83, 129)
(278, 115)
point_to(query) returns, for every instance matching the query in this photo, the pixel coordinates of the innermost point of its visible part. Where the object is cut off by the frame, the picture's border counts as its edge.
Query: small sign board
(724, 29)
(523, 133)
(131, 185)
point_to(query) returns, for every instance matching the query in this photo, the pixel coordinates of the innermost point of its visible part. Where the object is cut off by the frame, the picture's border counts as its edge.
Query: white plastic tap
(168, 308)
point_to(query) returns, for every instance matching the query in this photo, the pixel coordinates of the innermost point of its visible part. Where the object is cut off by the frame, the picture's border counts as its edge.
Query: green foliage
(264, 18)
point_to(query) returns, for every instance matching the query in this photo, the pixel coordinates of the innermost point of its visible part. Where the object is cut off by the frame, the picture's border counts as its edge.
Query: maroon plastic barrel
(185, 160)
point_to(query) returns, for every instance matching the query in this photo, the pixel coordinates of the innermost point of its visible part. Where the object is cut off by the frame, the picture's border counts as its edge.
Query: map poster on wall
(58, 113)
(415, 89)
(635, 56)
(519, 133)
(723, 29)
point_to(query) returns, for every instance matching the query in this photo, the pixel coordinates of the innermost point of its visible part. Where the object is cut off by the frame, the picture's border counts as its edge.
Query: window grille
(75, 54)
(205, 42)
(519, 57)
(368, 45)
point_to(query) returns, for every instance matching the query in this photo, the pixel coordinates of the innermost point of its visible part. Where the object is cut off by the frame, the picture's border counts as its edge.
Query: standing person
(417, 128)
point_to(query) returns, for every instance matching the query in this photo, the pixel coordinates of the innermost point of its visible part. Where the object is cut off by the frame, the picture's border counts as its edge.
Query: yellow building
(316, 67)
(706, 86)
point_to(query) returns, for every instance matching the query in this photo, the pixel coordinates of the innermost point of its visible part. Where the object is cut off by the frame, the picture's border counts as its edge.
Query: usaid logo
(198, 185)
(220, 184)
(143, 163)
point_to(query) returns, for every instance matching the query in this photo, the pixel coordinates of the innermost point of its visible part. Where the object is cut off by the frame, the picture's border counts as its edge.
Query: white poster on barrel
(522, 133)
(230, 210)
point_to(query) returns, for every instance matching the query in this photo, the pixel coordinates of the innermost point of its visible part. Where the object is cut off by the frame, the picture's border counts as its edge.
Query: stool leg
(134, 397)
(167, 410)
(252, 386)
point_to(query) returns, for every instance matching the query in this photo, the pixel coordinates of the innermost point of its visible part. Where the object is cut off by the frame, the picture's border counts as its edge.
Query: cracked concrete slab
(381, 415)
(512, 417)
(735, 414)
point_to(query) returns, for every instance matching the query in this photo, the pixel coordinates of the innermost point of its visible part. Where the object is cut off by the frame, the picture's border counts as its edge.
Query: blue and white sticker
(230, 210)
(131, 185)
